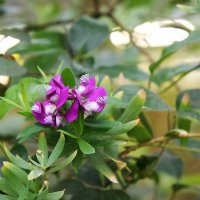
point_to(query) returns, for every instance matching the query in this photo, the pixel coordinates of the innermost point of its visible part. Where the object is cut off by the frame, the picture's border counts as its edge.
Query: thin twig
(157, 141)
(130, 32)
(37, 27)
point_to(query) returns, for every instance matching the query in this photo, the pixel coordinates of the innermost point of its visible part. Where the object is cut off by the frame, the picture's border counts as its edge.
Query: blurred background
(118, 38)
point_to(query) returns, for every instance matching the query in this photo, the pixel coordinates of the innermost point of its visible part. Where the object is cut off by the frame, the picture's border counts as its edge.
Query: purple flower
(47, 113)
(88, 96)
(57, 93)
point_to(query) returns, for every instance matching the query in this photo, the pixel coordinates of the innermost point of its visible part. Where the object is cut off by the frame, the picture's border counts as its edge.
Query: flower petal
(96, 94)
(57, 82)
(72, 113)
(63, 97)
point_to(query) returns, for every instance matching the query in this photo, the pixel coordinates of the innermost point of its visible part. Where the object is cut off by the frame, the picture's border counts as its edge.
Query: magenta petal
(57, 82)
(72, 113)
(96, 94)
(63, 97)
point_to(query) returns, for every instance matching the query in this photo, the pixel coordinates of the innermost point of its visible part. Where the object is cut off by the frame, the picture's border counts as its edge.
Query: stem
(37, 27)
(158, 141)
(130, 32)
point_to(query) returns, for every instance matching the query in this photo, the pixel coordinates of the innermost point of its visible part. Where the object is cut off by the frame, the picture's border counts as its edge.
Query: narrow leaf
(42, 146)
(123, 128)
(16, 159)
(43, 74)
(99, 164)
(63, 163)
(57, 151)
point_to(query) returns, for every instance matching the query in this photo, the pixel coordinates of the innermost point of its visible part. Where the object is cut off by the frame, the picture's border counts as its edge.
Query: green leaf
(10, 68)
(100, 165)
(30, 132)
(18, 172)
(4, 197)
(96, 123)
(55, 195)
(24, 194)
(34, 89)
(15, 184)
(16, 159)
(85, 147)
(56, 151)
(43, 74)
(42, 146)
(68, 78)
(123, 128)
(191, 109)
(193, 38)
(77, 160)
(134, 107)
(35, 174)
(87, 34)
(63, 163)
(4, 187)
(10, 94)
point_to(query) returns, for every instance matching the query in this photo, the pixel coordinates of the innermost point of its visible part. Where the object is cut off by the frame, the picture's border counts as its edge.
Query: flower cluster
(54, 111)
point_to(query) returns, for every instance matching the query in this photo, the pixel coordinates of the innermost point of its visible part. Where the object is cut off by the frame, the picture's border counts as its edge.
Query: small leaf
(68, 78)
(99, 164)
(63, 163)
(85, 147)
(123, 128)
(42, 146)
(35, 174)
(56, 151)
(43, 74)
(58, 71)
